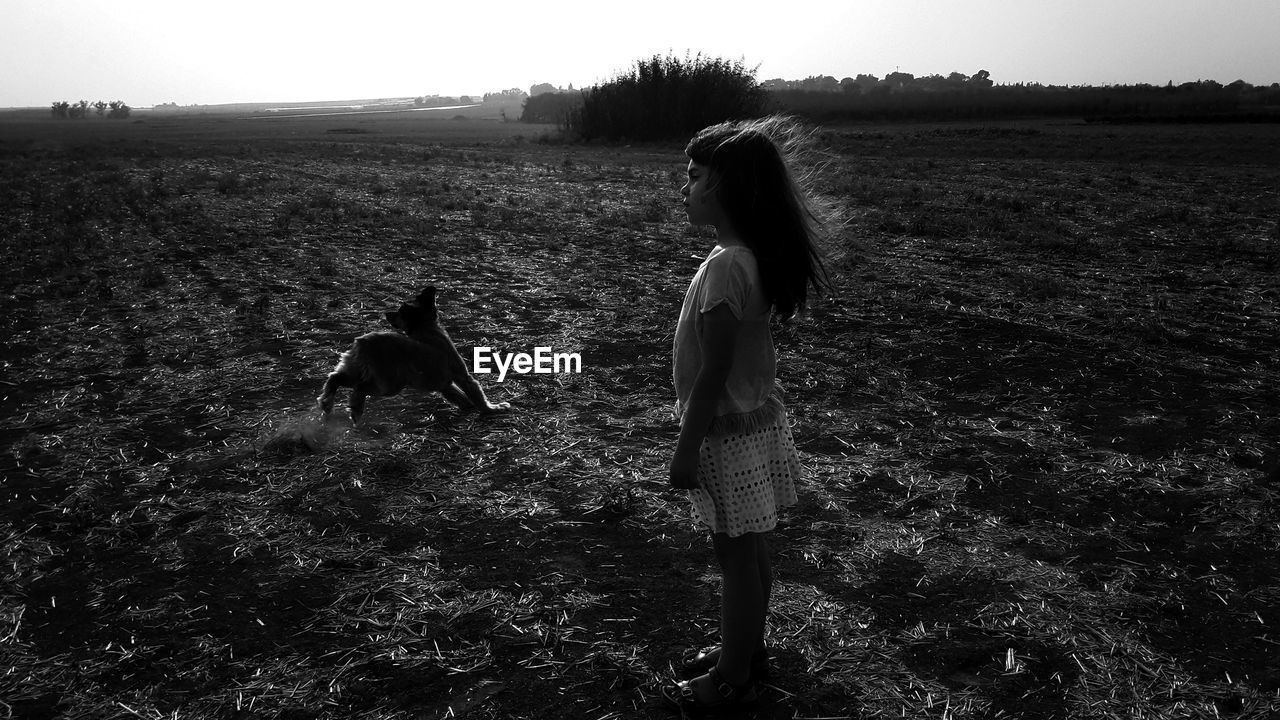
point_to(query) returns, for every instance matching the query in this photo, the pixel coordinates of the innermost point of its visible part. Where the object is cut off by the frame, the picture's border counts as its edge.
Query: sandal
(730, 697)
(697, 662)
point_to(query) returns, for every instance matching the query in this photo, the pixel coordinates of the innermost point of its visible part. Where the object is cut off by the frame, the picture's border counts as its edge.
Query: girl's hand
(684, 470)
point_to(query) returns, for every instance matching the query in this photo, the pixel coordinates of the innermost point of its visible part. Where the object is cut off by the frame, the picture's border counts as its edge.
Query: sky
(193, 52)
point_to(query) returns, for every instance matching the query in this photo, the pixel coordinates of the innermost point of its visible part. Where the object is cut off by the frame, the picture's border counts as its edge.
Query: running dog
(424, 357)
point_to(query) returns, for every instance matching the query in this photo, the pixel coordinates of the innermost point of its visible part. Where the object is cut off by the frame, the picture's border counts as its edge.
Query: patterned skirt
(745, 478)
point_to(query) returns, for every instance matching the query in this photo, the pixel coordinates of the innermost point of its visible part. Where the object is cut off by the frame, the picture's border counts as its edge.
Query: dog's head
(417, 315)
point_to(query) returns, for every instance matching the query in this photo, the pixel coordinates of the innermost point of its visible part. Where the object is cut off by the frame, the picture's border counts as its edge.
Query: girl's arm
(719, 337)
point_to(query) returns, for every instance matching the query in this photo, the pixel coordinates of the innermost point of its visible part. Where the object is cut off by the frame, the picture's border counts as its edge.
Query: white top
(729, 275)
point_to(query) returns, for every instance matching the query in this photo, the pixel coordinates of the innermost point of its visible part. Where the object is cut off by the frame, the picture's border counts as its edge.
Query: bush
(663, 98)
(554, 107)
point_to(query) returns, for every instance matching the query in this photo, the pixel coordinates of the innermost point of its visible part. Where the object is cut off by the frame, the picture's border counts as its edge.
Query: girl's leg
(743, 603)
(764, 565)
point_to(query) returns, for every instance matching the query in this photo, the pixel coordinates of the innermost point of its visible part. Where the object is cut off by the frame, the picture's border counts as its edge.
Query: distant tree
(866, 82)
(930, 83)
(981, 79)
(80, 110)
(850, 86)
(820, 83)
(899, 80)
(542, 89)
(509, 94)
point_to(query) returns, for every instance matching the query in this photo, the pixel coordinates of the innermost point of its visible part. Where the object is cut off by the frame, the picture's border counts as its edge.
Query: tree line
(671, 97)
(903, 97)
(116, 109)
(893, 82)
(510, 94)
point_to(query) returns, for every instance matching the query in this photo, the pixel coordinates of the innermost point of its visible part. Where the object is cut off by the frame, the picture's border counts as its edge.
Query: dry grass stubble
(1037, 412)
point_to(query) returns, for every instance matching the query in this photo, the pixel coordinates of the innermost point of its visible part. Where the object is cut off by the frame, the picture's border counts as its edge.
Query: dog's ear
(427, 298)
(397, 320)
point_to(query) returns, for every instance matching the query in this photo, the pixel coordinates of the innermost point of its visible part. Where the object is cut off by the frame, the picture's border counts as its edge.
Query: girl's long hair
(771, 207)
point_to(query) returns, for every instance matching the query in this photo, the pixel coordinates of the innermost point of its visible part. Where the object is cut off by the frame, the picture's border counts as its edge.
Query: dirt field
(1039, 412)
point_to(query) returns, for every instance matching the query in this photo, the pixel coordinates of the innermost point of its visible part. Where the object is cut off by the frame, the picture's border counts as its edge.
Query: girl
(735, 454)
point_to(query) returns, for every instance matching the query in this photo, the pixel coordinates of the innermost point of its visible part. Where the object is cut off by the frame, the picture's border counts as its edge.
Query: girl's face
(700, 201)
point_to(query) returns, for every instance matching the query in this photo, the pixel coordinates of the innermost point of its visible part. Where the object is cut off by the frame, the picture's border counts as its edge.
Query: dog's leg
(456, 396)
(335, 380)
(475, 393)
(358, 395)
